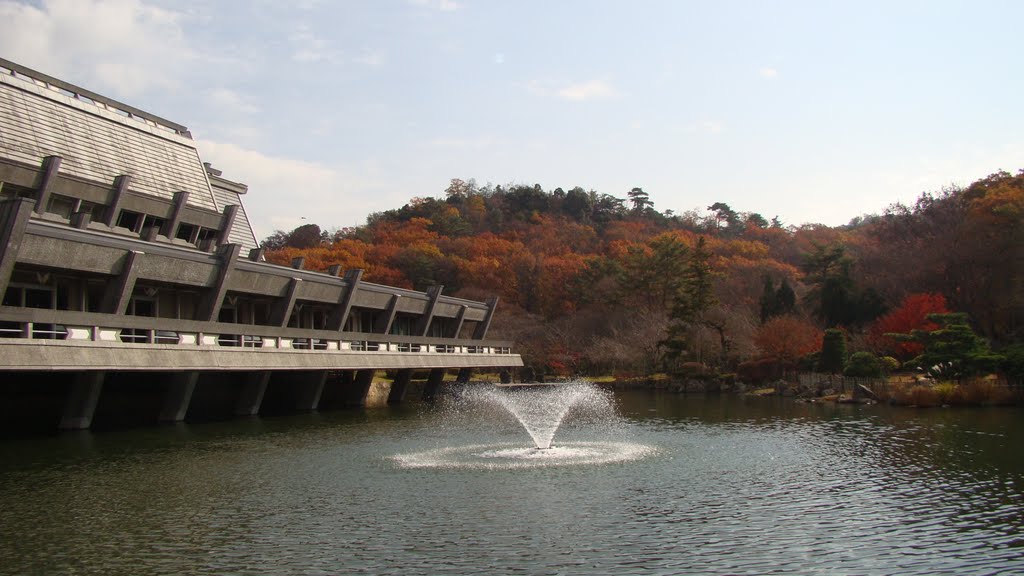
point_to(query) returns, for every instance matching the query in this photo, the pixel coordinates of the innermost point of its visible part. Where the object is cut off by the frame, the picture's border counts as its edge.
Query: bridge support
(178, 396)
(434, 380)
(310, 387)
(355, 395)
(399, 386)
(251, 396)
(81, 403)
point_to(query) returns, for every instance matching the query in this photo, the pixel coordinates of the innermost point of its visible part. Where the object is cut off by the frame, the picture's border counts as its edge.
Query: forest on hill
(591, 283)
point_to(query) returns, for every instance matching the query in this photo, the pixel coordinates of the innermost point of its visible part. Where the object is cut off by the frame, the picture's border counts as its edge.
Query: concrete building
(132, 282)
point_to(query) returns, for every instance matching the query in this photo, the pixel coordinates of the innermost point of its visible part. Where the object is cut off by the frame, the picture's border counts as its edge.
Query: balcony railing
(254, 337)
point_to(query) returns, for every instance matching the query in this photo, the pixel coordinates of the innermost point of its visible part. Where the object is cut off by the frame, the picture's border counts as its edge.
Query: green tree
(952, 351)
(640, 200)
(864, 365)
(833, 352)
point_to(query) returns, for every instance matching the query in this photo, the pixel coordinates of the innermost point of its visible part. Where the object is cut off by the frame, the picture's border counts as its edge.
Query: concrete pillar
(81, 402)
(355, 395)
(51, 166)
(434, 381)
(464, 375)
(209, 306)
(309, 387)
(251, 396)
(178, 396)
(400, 385)
(339, 315)
(14, 217)
(121, 184)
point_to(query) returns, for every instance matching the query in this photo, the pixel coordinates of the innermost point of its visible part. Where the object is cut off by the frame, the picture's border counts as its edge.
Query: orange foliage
(787, 338)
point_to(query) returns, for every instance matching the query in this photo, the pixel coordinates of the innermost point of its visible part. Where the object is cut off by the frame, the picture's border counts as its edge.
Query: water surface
(727, 485)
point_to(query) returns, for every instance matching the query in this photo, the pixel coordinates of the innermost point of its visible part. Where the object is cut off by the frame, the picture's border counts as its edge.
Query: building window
(63, 206)
(187, 232)
(130, 220)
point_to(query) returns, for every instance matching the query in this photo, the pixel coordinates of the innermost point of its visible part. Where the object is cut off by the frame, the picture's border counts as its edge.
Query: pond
(694, 485)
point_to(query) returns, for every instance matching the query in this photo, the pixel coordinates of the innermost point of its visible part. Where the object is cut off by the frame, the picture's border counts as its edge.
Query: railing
(273, 338)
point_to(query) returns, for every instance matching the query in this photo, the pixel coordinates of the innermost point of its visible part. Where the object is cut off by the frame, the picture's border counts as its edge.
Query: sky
(811, 111)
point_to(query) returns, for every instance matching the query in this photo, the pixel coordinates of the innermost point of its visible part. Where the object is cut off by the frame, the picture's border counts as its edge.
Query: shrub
(760, 371)
(864, 365)
(889, 363)
(833, 351)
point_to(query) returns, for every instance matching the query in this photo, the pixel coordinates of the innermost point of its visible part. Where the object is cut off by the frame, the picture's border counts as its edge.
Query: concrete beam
(119, 291)
(387, 318)
(209, 307)
(171, 224)
(481, 329)
(14, 216)
(338, 317)
(121, 184)
(282, 308)
(80, 405)
(423, 324)
(51, 167)
(178, 396)
(227, 222)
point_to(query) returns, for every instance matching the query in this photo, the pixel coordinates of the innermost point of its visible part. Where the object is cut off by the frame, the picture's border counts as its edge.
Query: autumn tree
(911, 314)
(787, 338)
(952, 350)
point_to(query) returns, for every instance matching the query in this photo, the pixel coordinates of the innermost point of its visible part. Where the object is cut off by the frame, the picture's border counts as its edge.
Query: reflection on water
(735, 485)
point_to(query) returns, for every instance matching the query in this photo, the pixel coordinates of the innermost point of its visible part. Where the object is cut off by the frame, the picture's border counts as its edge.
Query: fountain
(540, 410)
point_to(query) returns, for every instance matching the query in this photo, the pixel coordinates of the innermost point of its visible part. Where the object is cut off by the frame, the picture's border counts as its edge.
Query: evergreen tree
(833, 352)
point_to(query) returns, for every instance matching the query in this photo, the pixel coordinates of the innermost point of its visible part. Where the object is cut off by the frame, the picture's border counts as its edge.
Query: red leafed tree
(787, 338)
(911, 314)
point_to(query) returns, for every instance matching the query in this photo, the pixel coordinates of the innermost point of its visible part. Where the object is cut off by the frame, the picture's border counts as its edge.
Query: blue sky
(811, 111)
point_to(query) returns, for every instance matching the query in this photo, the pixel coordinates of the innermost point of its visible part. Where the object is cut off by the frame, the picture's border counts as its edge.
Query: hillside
(592, 283)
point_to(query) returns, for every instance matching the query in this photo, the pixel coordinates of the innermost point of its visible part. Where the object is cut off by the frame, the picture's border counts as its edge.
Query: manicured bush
(890, 364)
(864, 365)
(833, 352)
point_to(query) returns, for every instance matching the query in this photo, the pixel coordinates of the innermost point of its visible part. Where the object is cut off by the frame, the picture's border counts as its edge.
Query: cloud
(442, 5)
(308, 47)
(112, 46)
(232, 101)
(283, 191)
(767, 72)
(586, 91)
(573, 92)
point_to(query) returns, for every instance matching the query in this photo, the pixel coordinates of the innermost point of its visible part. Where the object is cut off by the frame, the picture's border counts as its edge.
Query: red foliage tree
(787, 338)
(911, 314)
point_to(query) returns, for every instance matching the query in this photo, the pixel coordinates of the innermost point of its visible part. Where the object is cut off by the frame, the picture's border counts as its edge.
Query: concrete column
(464, 375)
(355, 395)
(171, 224)
(81, 402)
(251, 397)
(121, 184)
(14, 217)
(119, 291)
(384, 321)
(281, 309)
(434, 381)
(51, 166)
(178, 396)
(400, 385)
(227, 222)
(310, 386)
(339, 315)
(481, 329)
(209, 307)
(423, 324)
